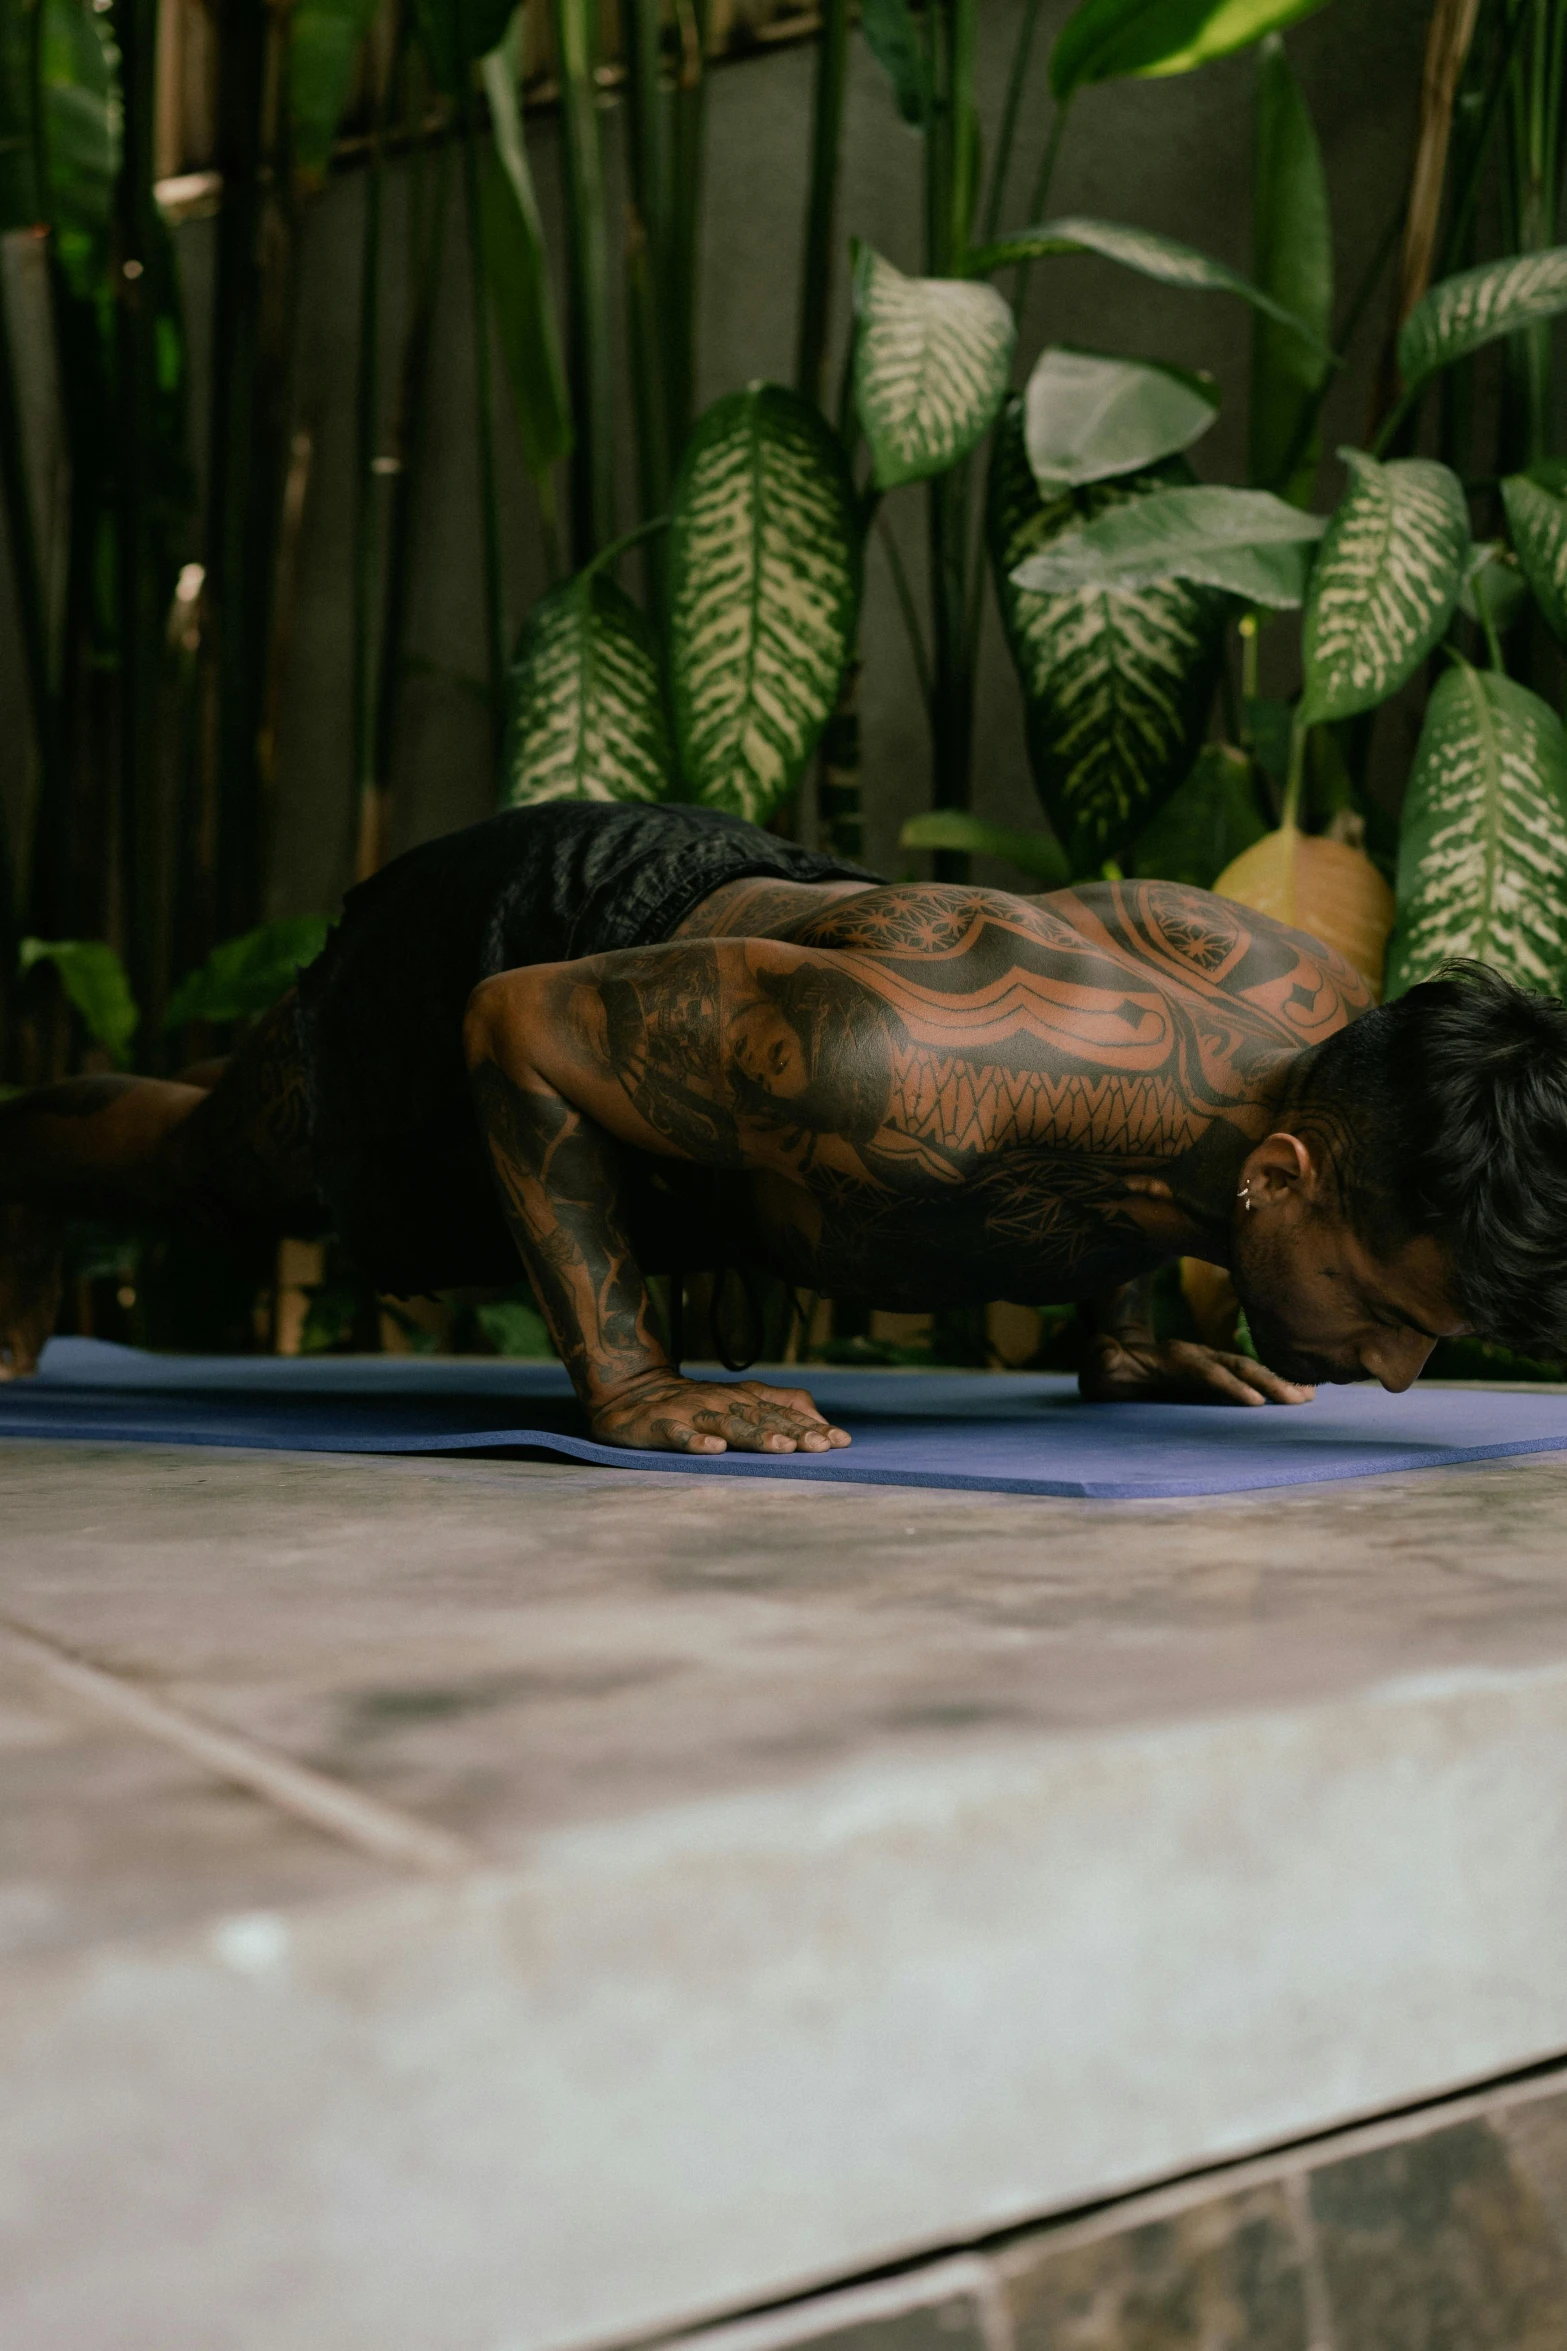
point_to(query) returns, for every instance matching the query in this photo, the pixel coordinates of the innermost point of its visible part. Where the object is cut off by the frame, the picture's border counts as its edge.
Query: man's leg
(235, 1157)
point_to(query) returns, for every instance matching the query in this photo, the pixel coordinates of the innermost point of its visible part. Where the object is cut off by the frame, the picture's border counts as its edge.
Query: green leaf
(452, 30)
(1484, 841)
(1245, 542)
(1491, 575)
(932, 357)
(1386, 582)
(586, 706)
(1292, 231)
(1088, 417)
(1039, 855)
(521, 296)
(324, 39)
(1164, 259)
(80, 72)
(515, 1328)
(93, 977)
(1210, 820)
(1107, 38)
(1116, 687)
(894, 41)
(1537, 524)
(249, 974)
(1461, 313)
(764, 586)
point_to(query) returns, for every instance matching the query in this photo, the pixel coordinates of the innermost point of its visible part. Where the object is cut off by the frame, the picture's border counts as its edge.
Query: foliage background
(1174, 155)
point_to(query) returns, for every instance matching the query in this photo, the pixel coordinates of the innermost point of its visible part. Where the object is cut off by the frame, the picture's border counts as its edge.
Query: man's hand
(1119, 1368)
(668, 1414)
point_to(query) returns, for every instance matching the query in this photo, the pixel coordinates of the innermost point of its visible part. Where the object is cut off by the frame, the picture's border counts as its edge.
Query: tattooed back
(949, 1093)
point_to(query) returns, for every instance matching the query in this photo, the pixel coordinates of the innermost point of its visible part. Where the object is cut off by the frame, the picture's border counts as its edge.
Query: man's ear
(1281, 1168)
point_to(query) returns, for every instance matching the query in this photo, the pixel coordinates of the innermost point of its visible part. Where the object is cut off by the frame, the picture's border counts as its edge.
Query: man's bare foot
(30, 1258)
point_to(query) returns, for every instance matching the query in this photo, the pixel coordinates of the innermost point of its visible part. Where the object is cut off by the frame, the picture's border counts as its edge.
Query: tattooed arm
(676, 1050)
(1123, 1361)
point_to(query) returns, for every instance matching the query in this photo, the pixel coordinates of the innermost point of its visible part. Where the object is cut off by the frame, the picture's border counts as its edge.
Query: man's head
(1417, 1187)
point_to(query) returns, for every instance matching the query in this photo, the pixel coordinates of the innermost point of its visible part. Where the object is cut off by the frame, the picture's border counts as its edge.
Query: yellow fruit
(1322, 887)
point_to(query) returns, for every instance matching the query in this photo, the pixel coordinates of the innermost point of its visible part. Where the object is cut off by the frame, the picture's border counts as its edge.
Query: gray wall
(1171, 155)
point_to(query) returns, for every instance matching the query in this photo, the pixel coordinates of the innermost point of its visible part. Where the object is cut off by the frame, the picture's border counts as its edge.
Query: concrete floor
(475, 1904)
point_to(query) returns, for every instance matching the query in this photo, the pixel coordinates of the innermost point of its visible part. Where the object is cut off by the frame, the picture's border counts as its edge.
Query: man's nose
(1396, 1358)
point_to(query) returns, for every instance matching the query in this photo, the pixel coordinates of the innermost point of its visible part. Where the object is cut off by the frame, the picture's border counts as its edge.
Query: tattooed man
(606, 1041)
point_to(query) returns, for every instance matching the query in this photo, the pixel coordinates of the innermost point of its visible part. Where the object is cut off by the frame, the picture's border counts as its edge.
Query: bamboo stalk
(138, 617)
(366, 433)
(27, 581)
(646, 255)
(692, 19)
(241, 462)
(587, 267)
(484, 406)
(950, 192)
(1536, 99)
(1447, 46)
(821, 203)
(411, 441)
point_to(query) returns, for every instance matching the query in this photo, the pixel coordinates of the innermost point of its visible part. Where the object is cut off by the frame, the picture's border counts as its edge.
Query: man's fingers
(1219, 1380)
(766, 1420)
(1257, 1375)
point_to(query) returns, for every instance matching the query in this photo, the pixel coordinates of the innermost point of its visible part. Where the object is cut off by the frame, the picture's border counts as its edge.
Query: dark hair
(1446, 1113)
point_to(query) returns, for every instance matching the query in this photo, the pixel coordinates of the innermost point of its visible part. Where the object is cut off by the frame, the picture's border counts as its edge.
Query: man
(606, 1041)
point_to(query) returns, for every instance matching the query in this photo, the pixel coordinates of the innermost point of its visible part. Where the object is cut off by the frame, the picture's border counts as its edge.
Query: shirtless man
(609, 1040)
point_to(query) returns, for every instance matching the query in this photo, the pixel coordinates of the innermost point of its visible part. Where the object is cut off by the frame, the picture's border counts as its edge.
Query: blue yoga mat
(1003, 1432)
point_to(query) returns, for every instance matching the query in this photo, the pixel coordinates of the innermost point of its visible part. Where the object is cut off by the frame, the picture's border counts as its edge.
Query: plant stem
(21, 538)
(950, 193)
(691, 17)
(1017, 75)
(821, 206)
(587, 269)
(427, 240)
(366, 430)
(1039, 196)
(243, 462)
(647, 252)
(1393, 419)
(1296, 775)
(1493, 643)
(484, 407)
(1462, 210)
(908, 609)
(135, 227)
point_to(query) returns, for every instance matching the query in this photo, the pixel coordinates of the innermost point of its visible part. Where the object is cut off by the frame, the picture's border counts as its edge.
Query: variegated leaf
(1386, 581)
(1482, 865)
(1164, 259)
(586, 714)
(1116, 687)
(1537, 524)
(932, 357)
(764, 582)
(1460, 313)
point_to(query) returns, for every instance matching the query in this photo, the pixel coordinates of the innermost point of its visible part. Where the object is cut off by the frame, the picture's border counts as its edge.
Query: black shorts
(398, 1157)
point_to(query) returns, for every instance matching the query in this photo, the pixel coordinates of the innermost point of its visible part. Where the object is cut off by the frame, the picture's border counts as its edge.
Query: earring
(1245, 1194)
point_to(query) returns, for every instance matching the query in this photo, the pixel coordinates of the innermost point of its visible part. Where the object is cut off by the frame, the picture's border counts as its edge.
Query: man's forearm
(1124, 1315)
(560, 1177)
